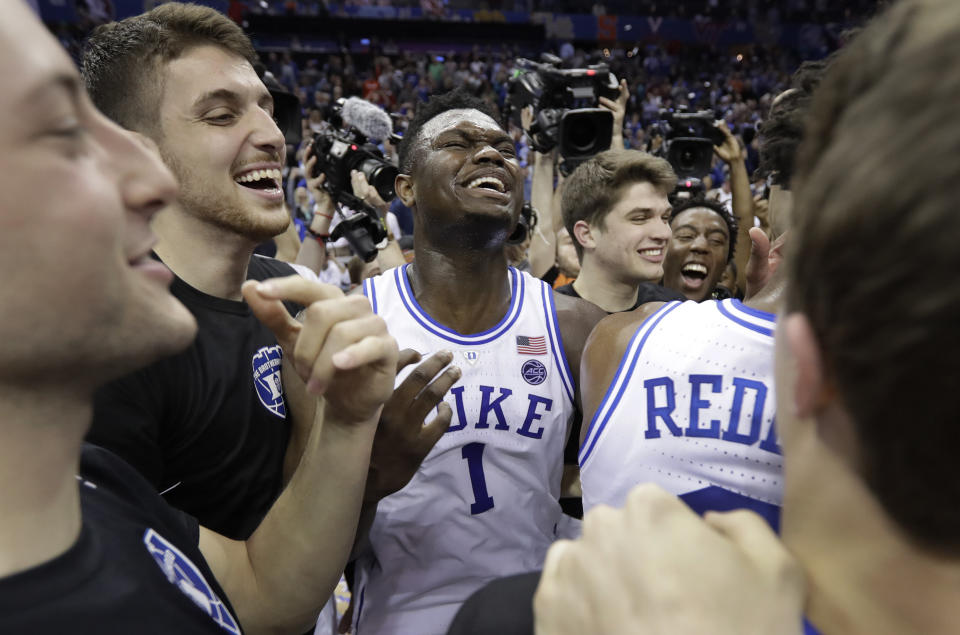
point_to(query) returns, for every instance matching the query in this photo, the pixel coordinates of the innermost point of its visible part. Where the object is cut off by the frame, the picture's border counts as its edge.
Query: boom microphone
(368, 118)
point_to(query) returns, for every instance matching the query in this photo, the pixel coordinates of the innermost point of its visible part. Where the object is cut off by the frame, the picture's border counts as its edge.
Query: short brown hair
(874, 259)
(596, 185)
(122, 60)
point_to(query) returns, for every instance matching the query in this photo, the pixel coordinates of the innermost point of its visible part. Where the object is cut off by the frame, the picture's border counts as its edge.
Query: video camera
(688, 141)
(564, 107)
(344, 145)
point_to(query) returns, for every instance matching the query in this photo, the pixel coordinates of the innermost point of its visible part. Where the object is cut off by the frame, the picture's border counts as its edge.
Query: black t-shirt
(647, 292)
(135, 568)
(208, 427)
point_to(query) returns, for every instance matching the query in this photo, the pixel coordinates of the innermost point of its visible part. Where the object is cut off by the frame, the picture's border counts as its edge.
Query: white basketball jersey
(691, 409)
(484, 504)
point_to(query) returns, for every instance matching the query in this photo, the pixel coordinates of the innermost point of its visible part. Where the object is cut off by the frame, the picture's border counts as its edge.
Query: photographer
(315, 250)
(340, 164)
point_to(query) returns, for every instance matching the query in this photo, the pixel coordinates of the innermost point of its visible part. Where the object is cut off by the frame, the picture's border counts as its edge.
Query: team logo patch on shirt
(533, 372)
(471, 356)
(266, 377)
(183, 574)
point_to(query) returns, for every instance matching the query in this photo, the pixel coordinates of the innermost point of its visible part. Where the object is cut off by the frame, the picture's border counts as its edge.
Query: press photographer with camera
(352, 183)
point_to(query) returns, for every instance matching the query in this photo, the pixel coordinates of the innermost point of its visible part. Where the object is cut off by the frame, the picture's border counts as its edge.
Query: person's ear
(583, 234)
(811, 391)
(403, 186)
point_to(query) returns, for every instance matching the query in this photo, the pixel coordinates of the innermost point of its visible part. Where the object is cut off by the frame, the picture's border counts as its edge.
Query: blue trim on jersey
(556, 343)
(714, 498)
(623, 373)
(428, 323)
(370, 290)
(722, 307)
(763, 315)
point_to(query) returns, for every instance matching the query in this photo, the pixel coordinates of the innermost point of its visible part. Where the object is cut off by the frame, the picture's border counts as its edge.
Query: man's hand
(324, 204)
(366, 192)
(341, 349)
(656, 567)
(765, 259)
(731, 149)
(402, 440)
(619, 110)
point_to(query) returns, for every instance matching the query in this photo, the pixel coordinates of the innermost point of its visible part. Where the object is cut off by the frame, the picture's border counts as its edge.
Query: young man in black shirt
(616, 210)
(210, 427)
(83, 302)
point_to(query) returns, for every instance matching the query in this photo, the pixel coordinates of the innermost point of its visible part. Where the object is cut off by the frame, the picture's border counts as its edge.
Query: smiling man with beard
(484, 504)
(211, 427)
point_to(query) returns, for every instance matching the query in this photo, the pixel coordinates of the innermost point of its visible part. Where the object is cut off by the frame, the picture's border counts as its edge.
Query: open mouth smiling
(264, 179)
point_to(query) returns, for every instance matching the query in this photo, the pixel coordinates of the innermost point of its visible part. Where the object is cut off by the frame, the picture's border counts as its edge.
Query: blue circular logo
(533, 372)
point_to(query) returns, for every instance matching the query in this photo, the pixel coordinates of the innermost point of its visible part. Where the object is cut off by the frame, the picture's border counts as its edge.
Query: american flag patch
(531, 345)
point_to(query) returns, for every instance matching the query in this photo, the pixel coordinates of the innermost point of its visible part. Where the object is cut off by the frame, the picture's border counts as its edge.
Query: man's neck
(597, 286)
(467, 291)
(41, 432)
(208, 258)
(865, 576)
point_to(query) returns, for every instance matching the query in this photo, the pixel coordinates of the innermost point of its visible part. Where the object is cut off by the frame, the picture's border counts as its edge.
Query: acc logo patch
(183, 574)
(266, 378)
(533, 372)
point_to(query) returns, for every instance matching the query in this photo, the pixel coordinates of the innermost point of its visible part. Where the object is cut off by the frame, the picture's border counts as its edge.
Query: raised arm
(619, 110)
(734, 155)
(279, 579)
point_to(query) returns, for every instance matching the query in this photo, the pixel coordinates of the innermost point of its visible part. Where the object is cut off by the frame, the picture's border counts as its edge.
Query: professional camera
(564, 107)
(343, 145)
(688, 141)
(341, 148)
(687, 188)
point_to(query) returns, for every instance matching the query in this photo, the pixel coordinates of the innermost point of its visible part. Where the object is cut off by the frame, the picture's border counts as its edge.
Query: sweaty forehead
(463, 119)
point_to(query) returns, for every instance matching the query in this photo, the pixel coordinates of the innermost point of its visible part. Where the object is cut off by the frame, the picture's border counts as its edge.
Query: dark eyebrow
(231, 97)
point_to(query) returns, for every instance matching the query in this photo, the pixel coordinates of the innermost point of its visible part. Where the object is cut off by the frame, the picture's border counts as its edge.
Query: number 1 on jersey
(473, 453)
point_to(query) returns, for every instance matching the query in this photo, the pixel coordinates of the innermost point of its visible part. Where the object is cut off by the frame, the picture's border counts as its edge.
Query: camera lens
(583, 135)
(380, 175)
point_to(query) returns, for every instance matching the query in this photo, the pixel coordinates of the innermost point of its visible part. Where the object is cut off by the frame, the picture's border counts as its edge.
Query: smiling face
(698, 252)
(631, 240)
(82, 300)
(218, 135)
(466, 170)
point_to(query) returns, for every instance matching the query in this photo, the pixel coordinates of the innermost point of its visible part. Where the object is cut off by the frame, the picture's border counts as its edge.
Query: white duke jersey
(691, 409)
(484, 503)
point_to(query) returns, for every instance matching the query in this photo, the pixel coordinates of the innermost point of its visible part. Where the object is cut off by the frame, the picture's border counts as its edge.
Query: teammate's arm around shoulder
(280, 577)
(602, 352)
